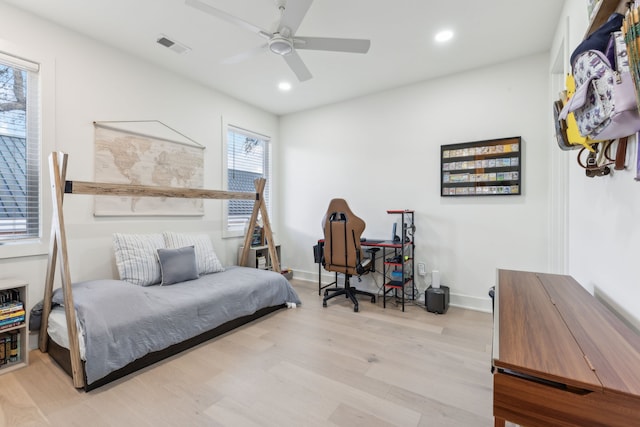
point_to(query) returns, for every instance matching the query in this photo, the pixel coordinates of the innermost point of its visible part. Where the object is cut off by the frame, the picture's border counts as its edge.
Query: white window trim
(225, 181)
(40, 246)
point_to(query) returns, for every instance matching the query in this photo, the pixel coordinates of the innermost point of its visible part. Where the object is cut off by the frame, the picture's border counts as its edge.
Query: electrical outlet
(422, 269)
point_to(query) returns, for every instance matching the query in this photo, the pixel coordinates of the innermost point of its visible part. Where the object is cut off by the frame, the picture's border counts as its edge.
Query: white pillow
(206, 258)
(136, 257)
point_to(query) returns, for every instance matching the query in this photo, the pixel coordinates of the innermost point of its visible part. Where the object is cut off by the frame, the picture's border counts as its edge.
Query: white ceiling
(401, 33)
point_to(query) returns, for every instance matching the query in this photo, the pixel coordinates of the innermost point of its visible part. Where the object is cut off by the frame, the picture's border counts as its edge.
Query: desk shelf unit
(13, 335)
(405, 265)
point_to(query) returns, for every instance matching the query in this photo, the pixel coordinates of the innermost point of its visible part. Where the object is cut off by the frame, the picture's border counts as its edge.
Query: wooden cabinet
(258, 257)
(14, 316)
(560, 357)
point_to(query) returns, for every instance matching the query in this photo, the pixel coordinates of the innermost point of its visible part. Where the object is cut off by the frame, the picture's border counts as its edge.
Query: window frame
(46, 135)
(226, 127)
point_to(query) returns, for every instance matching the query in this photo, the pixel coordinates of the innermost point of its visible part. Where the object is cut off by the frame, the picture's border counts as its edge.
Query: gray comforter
(123, 322)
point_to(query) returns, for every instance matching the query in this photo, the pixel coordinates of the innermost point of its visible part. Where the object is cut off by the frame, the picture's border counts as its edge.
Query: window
(248, 158)
(20, 215)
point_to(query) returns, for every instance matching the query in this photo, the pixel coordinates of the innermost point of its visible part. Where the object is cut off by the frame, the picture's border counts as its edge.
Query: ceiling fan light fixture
(284, 86)
(281, 46)
(444, 36)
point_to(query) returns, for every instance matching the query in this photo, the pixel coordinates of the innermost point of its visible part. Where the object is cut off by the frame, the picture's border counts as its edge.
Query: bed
(123, 327)
(172, 292)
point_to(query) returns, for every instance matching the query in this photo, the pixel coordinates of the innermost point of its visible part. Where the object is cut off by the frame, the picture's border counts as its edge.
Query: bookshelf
(258, 257)
(14, 318)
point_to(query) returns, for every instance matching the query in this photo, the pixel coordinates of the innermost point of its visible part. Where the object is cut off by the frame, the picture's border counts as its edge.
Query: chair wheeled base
(349, 292)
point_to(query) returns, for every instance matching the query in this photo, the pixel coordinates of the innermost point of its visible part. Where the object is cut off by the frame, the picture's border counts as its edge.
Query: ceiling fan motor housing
(280, 45)
(284, 42)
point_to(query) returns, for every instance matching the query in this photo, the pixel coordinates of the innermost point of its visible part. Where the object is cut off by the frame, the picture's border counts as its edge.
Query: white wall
(96, 83)
(379, 152)
(382, 152)
(603, 213)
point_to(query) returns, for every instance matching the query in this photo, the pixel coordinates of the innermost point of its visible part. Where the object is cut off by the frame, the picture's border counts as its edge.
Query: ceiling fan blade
(204, 7)
(297, 66)
(245, 55)
(294, 13)
(332, 44)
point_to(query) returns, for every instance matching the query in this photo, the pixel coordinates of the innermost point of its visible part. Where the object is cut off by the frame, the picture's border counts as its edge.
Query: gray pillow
(177, 265)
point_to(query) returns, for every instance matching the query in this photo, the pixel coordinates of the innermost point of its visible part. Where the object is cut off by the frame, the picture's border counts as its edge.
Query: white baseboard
(471, 303)
(455, 300)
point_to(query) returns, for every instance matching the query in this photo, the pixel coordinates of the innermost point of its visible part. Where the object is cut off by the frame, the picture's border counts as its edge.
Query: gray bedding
(123, 322)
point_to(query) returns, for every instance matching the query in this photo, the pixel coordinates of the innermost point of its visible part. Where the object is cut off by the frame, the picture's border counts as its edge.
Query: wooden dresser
(560, 357)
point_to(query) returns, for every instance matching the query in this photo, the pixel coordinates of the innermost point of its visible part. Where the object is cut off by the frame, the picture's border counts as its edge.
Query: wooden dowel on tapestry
(43, 341)
(57, 225)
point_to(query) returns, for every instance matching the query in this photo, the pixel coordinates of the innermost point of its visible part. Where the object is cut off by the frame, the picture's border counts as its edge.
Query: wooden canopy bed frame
(70, 360)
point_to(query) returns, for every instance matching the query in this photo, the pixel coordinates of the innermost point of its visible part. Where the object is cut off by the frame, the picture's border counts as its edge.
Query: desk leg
(402, 290)
(498, 422)
(319, 278)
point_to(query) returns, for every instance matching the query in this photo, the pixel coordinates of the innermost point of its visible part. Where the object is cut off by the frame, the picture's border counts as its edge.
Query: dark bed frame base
(62, 357)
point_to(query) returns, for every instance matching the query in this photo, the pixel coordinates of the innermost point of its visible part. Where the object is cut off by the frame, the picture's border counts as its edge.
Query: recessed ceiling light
(444, 36)
(284, 86)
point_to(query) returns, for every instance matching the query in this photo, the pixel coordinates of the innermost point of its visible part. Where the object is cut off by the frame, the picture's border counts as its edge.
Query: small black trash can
(437, 299)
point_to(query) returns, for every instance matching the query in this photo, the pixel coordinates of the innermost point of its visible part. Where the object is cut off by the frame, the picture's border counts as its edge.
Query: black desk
(386, 246)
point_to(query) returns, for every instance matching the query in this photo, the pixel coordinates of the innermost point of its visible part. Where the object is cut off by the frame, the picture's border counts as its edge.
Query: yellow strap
(573, 133)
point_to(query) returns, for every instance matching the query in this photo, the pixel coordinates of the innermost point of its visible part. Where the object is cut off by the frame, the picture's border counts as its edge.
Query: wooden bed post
(268, 234)
(259, 206)
(57, 172)
(43, 342)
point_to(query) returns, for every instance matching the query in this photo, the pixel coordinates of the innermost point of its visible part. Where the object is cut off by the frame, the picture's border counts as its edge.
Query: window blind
(247, 159)
(19, 150)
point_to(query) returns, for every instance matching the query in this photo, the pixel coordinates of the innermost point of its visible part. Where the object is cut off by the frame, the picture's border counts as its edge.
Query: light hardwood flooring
(308, 366)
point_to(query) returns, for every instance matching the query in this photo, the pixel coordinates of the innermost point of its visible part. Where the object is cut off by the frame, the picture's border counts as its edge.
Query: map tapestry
(125, 157)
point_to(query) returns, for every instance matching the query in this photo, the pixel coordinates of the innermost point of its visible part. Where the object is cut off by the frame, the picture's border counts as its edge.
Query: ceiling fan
(283, 41)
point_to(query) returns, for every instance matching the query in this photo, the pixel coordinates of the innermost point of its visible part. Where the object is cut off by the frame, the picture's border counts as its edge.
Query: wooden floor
(308, 366)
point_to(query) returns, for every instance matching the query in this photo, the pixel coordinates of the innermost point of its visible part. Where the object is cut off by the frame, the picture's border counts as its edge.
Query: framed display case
(481, 168)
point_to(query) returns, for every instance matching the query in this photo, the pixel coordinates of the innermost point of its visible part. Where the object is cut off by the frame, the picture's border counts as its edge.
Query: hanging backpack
(604, 104)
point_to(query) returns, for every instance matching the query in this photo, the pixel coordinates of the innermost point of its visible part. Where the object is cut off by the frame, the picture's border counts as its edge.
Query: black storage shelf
(404, 247)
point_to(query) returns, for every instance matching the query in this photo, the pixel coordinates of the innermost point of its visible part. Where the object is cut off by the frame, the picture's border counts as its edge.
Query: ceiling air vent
(175, 46)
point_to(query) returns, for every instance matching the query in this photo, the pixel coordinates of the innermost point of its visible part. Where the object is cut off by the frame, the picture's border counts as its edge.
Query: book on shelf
(10, 347)
(262, 262)
(9, 295)
(11, 322)
(10, 307)
(12, 314)
(14, 340)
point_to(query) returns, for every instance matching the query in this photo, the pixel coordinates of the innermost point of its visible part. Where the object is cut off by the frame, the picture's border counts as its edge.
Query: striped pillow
(206, 258)
(136, 257)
